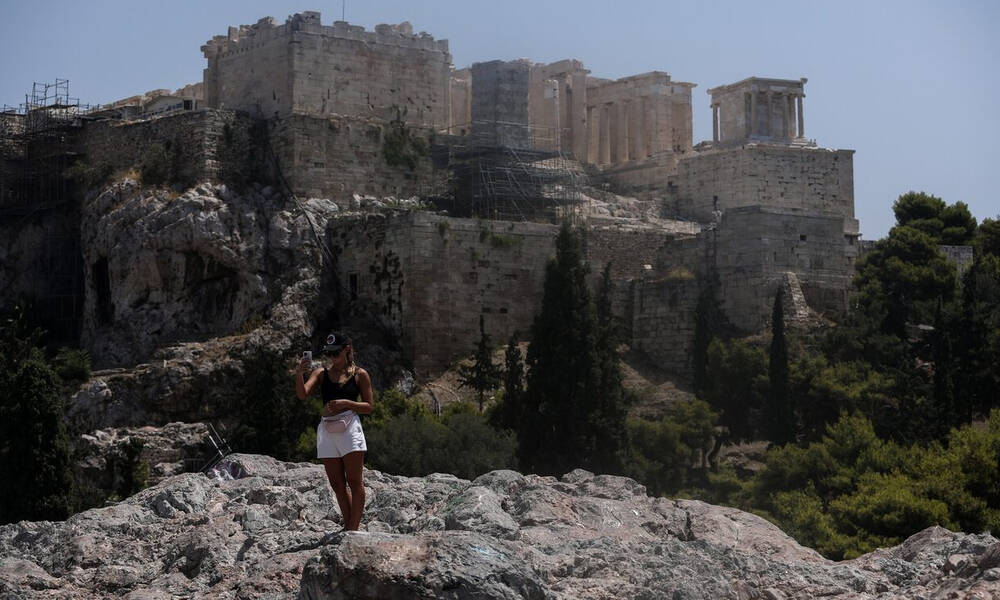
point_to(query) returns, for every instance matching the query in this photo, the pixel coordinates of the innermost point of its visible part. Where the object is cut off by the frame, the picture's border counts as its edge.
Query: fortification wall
(336, 157)
(664, 318)
(303, 66)
(198, 144)
(427, 278)
(756, 245)
(773, 175)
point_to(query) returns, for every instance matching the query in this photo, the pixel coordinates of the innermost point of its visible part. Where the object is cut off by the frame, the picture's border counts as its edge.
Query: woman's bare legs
(354, 463)
(335, 473)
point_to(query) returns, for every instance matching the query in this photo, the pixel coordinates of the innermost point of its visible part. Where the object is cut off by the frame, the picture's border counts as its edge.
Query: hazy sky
(912, 86)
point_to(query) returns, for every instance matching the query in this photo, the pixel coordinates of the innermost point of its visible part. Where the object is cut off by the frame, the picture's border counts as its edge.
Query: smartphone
(307, 355)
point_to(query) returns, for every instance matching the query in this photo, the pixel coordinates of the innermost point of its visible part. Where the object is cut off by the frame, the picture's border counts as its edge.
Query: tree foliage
(572, 406)
(270, 419)
(482, 375)
(35, 450)
(852, 491)
(737, 387)
(668, 454)
(406, 439)
(510, 409)
(780, 412)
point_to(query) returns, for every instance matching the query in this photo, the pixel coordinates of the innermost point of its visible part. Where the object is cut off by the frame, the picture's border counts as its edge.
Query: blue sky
(912, 86)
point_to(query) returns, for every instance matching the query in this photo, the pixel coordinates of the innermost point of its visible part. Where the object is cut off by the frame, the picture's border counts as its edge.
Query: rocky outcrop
(182, 287)
(258, 528)
(162, 267)
(169, 450)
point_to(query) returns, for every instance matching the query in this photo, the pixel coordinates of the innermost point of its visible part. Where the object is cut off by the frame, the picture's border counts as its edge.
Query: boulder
(258, 527)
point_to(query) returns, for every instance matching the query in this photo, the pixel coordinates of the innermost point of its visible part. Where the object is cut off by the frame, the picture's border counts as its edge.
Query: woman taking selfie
(340, 441)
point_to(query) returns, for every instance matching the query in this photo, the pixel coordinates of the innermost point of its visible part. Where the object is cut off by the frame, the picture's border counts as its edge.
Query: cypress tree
(609, 429)
(562, 402)
(709, 324)
(781, 418)
(512, 409)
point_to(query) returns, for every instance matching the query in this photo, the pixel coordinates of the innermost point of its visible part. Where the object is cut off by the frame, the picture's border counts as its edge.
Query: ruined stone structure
(305, 67)
(333, 108)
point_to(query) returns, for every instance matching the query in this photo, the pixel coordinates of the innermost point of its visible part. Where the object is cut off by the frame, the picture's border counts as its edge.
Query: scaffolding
(511, 172)
(36, 150)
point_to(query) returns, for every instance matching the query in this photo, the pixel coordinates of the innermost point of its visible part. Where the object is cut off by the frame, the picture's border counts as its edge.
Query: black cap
(335, 341)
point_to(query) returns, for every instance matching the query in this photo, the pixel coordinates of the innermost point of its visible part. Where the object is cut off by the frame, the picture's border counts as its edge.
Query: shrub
(154, 168)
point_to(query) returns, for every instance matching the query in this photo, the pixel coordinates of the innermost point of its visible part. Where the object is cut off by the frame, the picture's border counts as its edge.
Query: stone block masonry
(500, 106)
(774, 175)
(427, 278)
(197, 143)
(336, 157)
(303, 66)
(755, 246)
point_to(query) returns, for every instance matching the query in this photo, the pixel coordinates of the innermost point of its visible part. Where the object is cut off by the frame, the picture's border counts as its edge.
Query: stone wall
(960, 256)
(773, 175)
(427, 278)
(306, 67)
(663, 319)
(500, 113)
(196, 142)
(756, 245)
(336, 157)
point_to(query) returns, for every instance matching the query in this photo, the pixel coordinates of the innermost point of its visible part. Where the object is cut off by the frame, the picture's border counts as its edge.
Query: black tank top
(332, 390)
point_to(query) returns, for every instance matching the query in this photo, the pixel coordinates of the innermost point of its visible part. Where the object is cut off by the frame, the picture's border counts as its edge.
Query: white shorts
(336, 445)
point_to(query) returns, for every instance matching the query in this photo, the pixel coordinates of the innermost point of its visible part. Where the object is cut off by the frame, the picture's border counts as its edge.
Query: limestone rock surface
(163, 266)
(260, 528)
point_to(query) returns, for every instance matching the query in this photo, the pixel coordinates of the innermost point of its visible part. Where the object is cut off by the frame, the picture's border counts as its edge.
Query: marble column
(621, 137)
(604, 149)
(802, 123)
(790, 116)
(593, 134)
(580, 114)
(715, 122)
(769, 114)
(635, 130)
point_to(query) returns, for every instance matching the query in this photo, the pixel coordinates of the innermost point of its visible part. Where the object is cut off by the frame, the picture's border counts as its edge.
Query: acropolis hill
(342, 120)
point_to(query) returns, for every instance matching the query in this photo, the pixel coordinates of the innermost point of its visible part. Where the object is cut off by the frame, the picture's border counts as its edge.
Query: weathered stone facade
(329, 105)
(196, 142)
(782, 176)
(427, 278)
(303, 66)
(337, 157)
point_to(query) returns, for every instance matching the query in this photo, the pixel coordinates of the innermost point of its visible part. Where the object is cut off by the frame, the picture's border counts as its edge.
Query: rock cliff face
(162, 267)
(260, 528)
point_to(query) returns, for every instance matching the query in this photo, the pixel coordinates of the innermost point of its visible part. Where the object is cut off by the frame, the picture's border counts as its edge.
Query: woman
(340, 441)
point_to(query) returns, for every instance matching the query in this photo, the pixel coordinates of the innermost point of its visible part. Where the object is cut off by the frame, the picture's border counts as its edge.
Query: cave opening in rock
(102, 289)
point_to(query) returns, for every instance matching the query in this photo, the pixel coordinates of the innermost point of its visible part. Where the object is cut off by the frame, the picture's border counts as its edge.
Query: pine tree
(562, 404)
(482, 375)
(781, 417)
